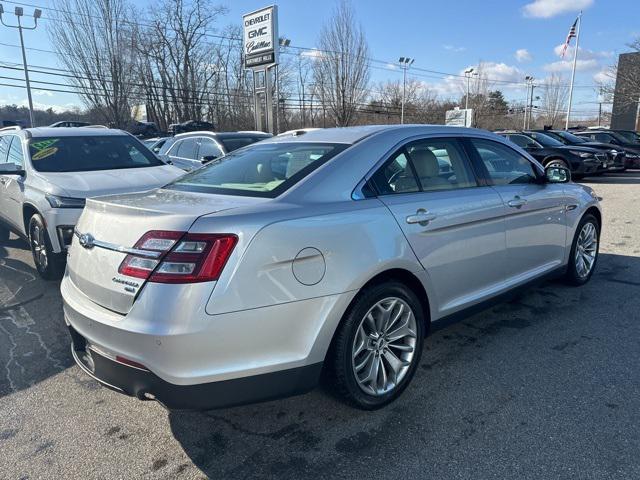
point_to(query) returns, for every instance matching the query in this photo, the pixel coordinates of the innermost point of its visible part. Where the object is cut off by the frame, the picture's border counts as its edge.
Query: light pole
(405, 63)
(468, 73)
(529, 83)
(36, 15)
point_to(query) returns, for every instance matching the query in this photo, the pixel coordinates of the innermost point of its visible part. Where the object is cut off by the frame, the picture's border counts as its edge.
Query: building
(626, 97)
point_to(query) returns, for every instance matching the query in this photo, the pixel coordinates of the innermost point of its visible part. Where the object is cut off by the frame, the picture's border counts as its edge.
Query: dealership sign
(260, 39)
(459, 117)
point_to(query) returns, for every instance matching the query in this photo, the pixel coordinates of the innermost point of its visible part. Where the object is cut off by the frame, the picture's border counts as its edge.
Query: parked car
(632, 150)
(192, 150)
(336, 250)
(615, 155)
(142, 129)
(582, 161)
(190, 126)
(155, 144)
(69, 124)
(47, 173)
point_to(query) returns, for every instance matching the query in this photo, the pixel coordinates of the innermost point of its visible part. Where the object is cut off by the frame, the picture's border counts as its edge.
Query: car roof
(39, 132)
(204, 133)
(351, 135)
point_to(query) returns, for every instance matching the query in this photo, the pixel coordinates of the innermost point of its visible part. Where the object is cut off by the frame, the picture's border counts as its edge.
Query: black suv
(615, 155)
(631, 149)
(190, 126)
(582, 161)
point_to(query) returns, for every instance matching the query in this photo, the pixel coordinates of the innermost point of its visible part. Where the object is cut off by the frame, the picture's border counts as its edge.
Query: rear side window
(504, 165)
(395, 176)
(89, 153)
(260, 170)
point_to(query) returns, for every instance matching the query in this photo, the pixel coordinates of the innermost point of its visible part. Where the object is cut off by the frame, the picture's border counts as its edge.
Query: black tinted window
(234, 143)
(87, 153)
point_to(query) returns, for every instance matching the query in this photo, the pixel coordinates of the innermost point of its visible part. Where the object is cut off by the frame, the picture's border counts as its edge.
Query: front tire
(50, 265)
(584, 251)
(377, 347)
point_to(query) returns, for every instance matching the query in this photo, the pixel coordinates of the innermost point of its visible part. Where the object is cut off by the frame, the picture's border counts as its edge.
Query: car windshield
(89, 153)
(264, 170)
(545, 140)
(570, 137)
(233, 143)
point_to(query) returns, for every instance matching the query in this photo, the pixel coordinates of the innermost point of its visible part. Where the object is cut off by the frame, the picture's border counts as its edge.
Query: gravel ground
(545, 386)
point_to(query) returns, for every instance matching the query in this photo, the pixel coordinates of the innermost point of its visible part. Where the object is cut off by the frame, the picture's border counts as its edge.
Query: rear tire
(584, 251)
(377, 347)
(50, 265)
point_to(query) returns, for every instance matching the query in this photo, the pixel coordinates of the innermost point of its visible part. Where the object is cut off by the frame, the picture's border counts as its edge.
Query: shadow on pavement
(630, 177)
(34, 343)
(489, 378)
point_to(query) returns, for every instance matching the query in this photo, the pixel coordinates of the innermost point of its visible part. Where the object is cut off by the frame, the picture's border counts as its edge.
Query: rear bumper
(145, 385)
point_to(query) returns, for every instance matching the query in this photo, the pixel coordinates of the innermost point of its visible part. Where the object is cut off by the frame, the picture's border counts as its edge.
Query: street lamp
(467, 73)
(405, 63)
(19, 12)
(529, 102)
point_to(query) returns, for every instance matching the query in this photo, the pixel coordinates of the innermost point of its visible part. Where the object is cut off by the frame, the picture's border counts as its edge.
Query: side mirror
(208, 158)
(11, 169)
(557, 175)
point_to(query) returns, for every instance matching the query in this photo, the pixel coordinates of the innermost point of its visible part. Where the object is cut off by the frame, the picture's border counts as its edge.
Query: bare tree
(95, 41)
(342, 70)
(554, 100)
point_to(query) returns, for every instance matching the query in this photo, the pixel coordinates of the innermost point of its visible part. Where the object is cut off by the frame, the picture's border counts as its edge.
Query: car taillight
(179, 257)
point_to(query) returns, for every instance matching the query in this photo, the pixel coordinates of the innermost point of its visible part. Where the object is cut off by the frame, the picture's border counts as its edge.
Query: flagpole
(573, 70)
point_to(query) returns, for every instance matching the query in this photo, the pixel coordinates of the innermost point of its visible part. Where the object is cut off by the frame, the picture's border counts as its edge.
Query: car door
(13, 185)
(454, 225)
(534, 210)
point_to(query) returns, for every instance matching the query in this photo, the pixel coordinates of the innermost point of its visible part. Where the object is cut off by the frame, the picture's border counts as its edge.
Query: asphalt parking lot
(545, 386)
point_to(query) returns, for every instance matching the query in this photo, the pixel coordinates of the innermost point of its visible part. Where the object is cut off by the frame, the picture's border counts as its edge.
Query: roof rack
(11, 127)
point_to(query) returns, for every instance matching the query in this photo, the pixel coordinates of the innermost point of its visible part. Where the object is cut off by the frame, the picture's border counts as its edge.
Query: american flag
(572, 34)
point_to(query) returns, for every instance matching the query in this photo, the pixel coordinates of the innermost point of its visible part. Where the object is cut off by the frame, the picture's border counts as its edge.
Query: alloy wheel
(586, 249)
(39, 247)
(384, 346)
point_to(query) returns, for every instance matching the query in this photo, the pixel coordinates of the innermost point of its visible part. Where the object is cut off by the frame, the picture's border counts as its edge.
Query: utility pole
(468, 73)
(530, 105)
(528, 82)
(600, 98)
(19, 12)
(405, 63)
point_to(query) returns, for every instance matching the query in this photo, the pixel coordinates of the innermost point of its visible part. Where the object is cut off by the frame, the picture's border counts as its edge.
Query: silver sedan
(332, 252)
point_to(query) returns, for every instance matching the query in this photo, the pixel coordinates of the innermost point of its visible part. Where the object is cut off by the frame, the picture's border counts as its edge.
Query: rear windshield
(89, 153)
(234, 143)
(263, 170)
(631, 137)
(571, 137)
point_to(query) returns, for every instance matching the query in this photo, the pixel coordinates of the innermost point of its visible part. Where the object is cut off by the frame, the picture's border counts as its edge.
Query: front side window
(15, 152)
(504, 165)
(89, 153)
(546, 140)
(259, 171)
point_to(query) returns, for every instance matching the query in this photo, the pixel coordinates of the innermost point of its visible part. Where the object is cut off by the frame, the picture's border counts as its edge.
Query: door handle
(422, 217)
(517, 202)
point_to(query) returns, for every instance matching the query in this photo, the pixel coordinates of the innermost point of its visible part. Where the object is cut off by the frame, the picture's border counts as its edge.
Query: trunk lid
(121, 220)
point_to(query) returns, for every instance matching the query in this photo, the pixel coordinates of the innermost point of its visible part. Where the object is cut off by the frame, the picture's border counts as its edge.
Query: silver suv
(47, 173)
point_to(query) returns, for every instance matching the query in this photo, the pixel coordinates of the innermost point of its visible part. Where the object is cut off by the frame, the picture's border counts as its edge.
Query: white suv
(47, 173)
